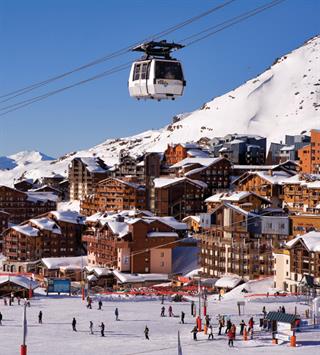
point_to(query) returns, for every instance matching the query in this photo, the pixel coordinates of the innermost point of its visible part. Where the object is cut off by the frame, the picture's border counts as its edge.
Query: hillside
(285, 99)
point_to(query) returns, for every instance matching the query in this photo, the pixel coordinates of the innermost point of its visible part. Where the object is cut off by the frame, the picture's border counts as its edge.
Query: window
(136, 72)
(168, 70)
(162, 264)
(162, 254)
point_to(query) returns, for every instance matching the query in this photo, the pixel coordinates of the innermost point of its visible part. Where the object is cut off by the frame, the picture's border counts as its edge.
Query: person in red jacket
(230, 335)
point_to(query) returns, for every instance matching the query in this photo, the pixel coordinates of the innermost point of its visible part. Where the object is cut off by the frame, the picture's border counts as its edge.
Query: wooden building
(56, 234)
(136, 245)
(24, 205)
(241, 242)
(177, 152)
(83, 176)
(266, 184)
(177, 197)
(303, 223)
(299, 258)
(113, 194)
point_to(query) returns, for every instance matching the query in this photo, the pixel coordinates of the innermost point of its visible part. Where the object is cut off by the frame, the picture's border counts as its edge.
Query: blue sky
(40, 39)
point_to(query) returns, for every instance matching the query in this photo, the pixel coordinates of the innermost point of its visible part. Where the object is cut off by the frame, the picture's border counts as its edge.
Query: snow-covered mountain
(285, 99)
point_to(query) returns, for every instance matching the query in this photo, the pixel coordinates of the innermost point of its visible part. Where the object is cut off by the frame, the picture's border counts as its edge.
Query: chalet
(177, 152)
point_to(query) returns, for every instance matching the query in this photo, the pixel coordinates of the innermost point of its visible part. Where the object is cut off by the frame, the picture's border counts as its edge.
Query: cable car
(156, 75)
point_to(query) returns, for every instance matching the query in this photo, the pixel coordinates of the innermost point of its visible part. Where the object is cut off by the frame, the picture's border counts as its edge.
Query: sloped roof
(163, 182)
(26, 230)
(282, 317)
(204, 161)
(19, 280)
(311, 241)
(46, 224)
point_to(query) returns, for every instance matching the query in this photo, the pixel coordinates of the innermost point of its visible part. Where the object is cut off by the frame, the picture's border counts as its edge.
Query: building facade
(309, 155)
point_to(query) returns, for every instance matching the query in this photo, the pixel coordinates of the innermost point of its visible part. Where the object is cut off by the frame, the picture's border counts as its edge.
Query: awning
(282, 317)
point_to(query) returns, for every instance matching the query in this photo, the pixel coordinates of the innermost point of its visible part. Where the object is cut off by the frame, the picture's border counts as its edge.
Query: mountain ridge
(284, 99)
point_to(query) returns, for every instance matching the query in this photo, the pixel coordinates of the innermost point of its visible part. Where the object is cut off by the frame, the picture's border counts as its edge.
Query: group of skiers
(163, 310)
(101, 326)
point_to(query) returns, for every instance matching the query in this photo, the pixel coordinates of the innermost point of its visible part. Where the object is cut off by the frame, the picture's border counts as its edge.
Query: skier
(242, 325)
(230, 335)
(74, 323)
(40, 317)
(250, 323)
(89, 305)
(207, 319)
(229, 324)
(146, 333)
(221, 325)
(182, 317)
(194, 331)
(100, 304)
(170, 311)
(264, 311)
(91, 327)
(102, 329)
(210, 332)
(0, 318)
(192, 308)
(116, 313)
(162, 311)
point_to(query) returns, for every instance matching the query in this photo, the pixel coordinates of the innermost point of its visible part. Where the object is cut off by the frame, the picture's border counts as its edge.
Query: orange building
(309, 156)
(304, 223)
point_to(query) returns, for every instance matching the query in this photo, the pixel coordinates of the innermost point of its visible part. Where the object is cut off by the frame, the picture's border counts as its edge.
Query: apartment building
(55, 234)
(83, 174)
(177, 197)
(299, 259)
(309, 155)
(241, 242)
(22, 205)
(177, 152)
(113, 194)
(132, 244)
(129, 166)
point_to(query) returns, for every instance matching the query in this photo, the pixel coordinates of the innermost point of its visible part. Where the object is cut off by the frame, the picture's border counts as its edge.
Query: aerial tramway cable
(225, 24)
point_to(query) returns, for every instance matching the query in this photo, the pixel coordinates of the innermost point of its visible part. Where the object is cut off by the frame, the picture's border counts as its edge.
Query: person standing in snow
(229, 325)
(146, 333)
(264, 311)
(182, 317)
(91, 327)
(210, 332)
(207, 320)
(40, 317)
(234, 330)
(194, 331)
(102, 329)
(116, 313)
(230, 335)
(242, 325)
(283, 310)
(0, 318)
(192, 308)
(162, 311)
(74, 323)
(19, 299)
(170, 311)
(100, 304)
(221, 325)
(251, 324)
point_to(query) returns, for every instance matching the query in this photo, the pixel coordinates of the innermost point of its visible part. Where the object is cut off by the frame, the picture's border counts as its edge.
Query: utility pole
(23, 347)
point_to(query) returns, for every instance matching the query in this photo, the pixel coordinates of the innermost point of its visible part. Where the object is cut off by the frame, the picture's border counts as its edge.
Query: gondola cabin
(154, 77)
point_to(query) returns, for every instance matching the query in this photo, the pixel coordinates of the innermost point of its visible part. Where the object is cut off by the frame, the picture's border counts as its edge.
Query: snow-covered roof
(287, 147)
(197, 153)
(36, 196)
(119, 228)
(92, 164)
(69, 216)
(22, 281)
(311, 240)
(132, 278)
(72, 262)
(162, 234)
(204, 161)
(163, 182)
(26, 230)
(46, 224)
(99, 271)
(169, 221)
(228, 282)
(195, 218)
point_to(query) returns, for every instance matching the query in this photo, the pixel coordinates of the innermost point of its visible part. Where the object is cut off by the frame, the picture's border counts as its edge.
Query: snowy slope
(285, 99)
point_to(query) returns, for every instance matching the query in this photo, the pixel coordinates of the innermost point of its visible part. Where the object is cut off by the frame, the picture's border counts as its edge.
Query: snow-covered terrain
(285, 99)
(126, 337)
